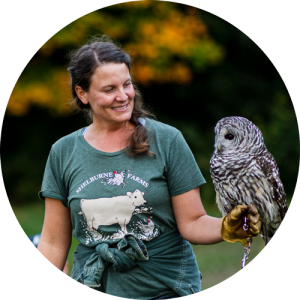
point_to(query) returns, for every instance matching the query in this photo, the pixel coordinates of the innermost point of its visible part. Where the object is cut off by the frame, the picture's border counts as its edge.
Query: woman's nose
(122, 96)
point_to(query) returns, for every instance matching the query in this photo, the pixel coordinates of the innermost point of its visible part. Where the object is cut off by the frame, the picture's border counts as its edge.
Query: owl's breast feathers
(246, 179)
(226, 173)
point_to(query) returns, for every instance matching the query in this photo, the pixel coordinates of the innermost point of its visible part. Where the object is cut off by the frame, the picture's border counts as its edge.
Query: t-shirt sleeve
(52, 185)
(183, 173)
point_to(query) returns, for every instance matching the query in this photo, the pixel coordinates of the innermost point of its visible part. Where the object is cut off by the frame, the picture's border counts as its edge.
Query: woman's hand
(232, 225)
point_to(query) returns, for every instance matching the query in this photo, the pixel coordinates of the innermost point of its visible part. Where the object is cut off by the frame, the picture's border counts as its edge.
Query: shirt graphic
(118, 179)
(108, 211)
(119, 210)
(112, 178)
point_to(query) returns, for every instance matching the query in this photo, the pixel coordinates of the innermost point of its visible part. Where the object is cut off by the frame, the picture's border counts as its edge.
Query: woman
(128, 186)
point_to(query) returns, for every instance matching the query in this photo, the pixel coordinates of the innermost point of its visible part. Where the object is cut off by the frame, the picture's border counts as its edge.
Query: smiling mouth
(120, 108)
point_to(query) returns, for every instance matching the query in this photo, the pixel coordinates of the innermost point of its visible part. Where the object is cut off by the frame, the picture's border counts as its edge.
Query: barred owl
(244, 172)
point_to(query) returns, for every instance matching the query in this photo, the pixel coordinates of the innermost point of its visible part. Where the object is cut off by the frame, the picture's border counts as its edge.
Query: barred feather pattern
(244, 172)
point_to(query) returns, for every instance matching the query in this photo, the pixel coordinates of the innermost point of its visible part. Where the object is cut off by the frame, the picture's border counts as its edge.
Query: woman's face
(110, 95)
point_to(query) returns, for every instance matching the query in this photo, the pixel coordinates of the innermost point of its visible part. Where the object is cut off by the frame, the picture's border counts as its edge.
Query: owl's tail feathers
(264, 233)
(269, 230)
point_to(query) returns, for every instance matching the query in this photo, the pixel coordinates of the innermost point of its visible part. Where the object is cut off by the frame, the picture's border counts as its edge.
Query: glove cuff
(225, 233)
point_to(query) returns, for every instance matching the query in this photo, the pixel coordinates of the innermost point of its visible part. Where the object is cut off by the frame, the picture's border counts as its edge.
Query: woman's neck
(109, 138)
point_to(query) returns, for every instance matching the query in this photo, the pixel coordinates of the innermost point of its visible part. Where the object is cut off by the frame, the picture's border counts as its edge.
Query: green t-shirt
(111, 194)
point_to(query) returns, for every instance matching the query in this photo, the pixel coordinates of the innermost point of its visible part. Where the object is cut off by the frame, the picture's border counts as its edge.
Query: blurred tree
(167, 43)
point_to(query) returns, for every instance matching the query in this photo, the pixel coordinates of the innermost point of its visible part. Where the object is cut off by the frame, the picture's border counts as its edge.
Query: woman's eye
(229, 136)
(127, 83)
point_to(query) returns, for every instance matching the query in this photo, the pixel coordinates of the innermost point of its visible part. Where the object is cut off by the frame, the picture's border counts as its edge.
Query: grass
(220, 261)
(31, 219)
(216, 262)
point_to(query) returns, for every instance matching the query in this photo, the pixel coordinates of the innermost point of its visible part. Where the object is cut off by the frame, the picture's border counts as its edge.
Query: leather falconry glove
(232, 225)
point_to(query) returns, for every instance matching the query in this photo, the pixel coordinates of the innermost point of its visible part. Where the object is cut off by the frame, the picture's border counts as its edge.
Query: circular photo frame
(194, 64)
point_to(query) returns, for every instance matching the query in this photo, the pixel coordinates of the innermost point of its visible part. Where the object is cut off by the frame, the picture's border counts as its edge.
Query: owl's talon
(245, 226)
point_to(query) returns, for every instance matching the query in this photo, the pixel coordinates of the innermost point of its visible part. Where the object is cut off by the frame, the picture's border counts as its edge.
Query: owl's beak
(219, 147)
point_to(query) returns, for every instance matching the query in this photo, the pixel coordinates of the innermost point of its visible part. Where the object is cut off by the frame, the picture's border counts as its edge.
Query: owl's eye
(229, 136)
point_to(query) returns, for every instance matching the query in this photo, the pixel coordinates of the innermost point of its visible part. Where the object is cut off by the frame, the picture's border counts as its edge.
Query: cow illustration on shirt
(109, 211)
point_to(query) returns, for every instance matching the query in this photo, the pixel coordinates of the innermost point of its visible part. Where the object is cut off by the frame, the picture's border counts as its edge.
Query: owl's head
(236, 135)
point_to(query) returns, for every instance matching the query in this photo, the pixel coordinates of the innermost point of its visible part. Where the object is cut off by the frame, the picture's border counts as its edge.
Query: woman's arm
(192, 220)
(56, 235)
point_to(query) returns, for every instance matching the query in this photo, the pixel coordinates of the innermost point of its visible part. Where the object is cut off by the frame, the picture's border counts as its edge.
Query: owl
(244, 172)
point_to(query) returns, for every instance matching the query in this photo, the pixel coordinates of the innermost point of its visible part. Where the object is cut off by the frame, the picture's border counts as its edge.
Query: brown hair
(83, 63)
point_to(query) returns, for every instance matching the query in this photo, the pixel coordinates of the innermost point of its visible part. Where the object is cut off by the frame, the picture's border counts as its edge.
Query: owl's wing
(270, 169)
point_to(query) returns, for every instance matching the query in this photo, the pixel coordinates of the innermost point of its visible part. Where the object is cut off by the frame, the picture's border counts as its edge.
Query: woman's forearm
(56, 235)
(57, 256)
(204, 230)
(192, 220)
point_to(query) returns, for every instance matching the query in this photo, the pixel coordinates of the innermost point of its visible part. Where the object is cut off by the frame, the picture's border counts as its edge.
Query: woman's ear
(82, 95)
